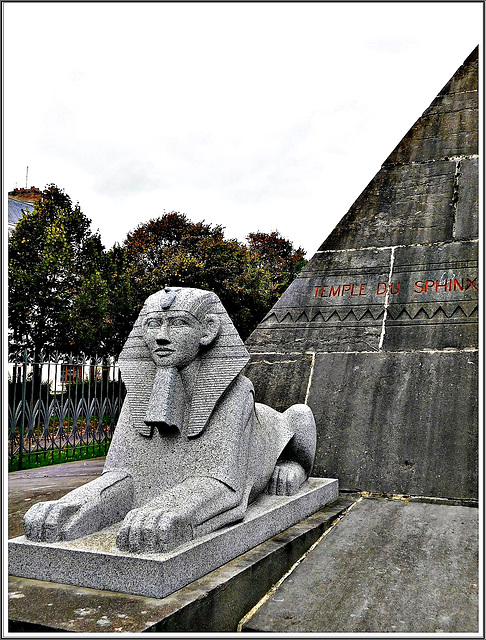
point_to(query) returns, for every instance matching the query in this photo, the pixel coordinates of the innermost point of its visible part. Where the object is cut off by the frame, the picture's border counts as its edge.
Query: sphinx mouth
(163, 351)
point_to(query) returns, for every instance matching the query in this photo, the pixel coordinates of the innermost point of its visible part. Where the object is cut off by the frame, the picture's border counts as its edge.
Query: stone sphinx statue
(191, 448)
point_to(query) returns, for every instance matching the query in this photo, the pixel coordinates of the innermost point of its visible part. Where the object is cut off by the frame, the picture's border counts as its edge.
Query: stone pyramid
(378, 334)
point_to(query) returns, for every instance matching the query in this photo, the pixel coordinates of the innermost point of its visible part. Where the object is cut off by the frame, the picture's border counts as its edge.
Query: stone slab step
(389, 566)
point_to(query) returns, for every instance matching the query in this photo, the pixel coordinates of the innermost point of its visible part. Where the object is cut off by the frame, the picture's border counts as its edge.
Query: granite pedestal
(94, 561)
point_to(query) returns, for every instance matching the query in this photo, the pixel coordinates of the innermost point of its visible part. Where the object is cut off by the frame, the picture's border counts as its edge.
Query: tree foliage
(66, 293)
(278, 256)
(57, 293)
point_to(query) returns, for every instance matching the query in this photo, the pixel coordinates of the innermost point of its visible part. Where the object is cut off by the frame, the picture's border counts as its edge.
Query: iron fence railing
(61, 408)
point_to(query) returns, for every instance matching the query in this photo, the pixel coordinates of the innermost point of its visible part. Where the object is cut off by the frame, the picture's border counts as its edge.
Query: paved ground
(389, 566)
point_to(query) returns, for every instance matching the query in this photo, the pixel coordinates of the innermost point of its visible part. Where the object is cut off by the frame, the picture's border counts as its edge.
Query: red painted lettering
(429, 284)
(333, 291)
(459, 286)
(322, 292)
(418, 287)
(471, 284)
(438, 284)
(394, 293)
(381, 288)
(317, 291)
(362, 288)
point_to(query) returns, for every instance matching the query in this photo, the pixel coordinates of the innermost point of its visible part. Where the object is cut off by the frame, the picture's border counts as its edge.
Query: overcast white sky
(256, 116)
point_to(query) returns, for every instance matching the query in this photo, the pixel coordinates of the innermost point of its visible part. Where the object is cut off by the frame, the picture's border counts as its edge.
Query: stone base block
(94, 561)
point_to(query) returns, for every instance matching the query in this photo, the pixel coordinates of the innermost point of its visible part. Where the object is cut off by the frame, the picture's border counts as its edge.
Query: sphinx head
(177, 326)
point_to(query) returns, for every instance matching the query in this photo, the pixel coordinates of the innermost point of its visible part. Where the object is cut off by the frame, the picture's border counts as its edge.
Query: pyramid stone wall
(378, 334)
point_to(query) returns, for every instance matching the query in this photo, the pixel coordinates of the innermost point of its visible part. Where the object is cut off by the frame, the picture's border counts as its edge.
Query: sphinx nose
(162, 336)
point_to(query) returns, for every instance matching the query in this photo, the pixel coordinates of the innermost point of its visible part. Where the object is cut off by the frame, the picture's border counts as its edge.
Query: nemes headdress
(220, 362)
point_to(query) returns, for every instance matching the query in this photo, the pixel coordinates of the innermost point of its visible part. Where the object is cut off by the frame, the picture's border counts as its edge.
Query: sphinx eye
(152, 324)
(179, 322)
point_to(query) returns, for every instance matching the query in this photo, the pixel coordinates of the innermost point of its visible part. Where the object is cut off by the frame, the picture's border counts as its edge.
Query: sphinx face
(173, 337)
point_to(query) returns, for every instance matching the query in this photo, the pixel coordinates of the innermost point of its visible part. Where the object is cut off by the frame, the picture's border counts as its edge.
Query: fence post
(22, 421)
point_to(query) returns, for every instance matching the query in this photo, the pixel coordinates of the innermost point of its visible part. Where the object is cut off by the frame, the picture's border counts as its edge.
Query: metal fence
(61, 408)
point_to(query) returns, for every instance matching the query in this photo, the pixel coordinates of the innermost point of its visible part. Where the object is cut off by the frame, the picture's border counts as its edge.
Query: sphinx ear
(212, 327)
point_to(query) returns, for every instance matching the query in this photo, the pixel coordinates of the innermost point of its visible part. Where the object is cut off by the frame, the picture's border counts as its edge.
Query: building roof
(17, 209)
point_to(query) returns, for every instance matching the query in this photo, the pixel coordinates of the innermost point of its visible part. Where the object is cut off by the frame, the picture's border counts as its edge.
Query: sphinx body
(191, 448)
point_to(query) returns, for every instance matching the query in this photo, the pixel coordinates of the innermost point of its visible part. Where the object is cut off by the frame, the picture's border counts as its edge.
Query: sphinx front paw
(287, 478)
(49, 521)
(146, 530)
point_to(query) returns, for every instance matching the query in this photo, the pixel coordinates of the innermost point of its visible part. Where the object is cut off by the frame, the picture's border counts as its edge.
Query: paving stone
(27, 487)
(388, 567)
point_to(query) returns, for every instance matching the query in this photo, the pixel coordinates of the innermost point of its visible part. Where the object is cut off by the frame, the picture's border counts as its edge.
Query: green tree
(279, 257)
(165, 249)
(57, 292)
(120, 306)
(66, 293)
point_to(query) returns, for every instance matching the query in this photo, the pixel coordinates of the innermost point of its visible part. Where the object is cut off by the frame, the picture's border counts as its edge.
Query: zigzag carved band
(394, 312)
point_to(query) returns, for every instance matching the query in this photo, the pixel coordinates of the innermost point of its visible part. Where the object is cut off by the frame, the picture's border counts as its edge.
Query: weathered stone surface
(388, 567)
(95, 560)
(410, 420)
(268, 373)
(414, 196)
(465, 80)
(404, 204)
(406, 297)
(397, 279)
(347, 336)
(467, 208)
(440, 135)
(191, 449)
(450, 102)
(332, 305)
(436, 306)
(413, 417)
(449, 127)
